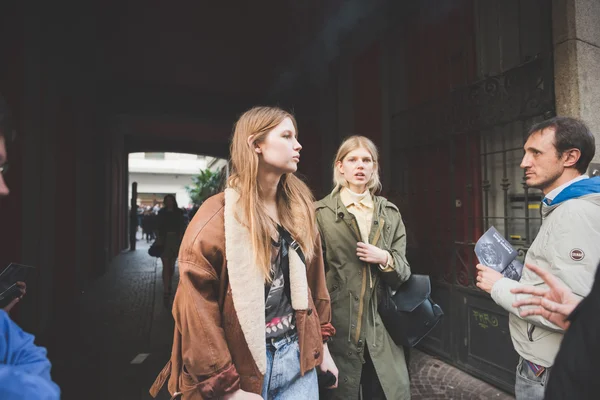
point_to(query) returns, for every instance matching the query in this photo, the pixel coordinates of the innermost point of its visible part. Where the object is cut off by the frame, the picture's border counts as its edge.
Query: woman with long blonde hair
(252, 310)
(365, 242)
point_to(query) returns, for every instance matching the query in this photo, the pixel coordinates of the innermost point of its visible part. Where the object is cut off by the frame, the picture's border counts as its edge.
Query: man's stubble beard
(546, 183)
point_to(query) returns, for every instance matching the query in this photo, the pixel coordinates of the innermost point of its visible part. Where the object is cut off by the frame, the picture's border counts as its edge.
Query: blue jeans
(282, 379)
(527, 385)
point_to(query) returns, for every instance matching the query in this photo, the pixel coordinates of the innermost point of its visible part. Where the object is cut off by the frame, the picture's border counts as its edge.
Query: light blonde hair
(350, 144)
(294, 198)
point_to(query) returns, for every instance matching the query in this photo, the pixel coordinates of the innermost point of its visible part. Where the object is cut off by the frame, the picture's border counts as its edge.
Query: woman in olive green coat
(364, 244)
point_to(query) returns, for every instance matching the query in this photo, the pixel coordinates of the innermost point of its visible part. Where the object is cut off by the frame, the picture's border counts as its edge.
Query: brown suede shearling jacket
(219, 342)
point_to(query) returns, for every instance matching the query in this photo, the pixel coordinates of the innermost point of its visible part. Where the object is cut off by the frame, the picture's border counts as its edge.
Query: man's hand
(329, 365)
(555, 304)
(371, 254)
(242, 395)
(23, 287)
(486, 277)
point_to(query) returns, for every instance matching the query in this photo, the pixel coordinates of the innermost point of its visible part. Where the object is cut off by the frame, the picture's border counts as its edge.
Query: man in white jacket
(557, 154)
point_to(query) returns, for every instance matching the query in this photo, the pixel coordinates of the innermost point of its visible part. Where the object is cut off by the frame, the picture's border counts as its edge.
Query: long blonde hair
(350, 144)
(294, 198)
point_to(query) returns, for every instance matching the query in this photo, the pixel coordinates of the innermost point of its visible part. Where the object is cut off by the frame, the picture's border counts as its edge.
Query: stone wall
(576, 41)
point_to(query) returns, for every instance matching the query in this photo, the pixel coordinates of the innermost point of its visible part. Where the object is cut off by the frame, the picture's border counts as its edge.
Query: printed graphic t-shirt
(279, 315)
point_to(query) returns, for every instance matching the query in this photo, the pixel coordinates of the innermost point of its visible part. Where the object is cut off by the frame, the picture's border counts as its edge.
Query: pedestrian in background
(170, 227)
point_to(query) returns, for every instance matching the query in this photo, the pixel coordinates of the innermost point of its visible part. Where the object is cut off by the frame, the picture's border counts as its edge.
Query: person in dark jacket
(574, 375)
(133, 225)
(171, 227)
(148, 225)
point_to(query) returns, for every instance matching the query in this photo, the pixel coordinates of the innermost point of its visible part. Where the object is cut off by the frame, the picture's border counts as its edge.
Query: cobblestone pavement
(435, 379)
(122, 315)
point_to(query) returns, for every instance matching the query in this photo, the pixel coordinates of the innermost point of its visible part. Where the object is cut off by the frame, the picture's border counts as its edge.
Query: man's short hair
(7, 129)
(570, 133)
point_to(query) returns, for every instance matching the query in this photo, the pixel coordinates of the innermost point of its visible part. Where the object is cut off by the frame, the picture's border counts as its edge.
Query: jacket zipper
(363, 289)
(375, 240)
(366, 270)
(530, 330)
(350, 318)
(374, 342)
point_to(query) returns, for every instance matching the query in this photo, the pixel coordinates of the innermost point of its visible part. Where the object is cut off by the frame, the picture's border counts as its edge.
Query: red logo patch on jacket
(577, 254)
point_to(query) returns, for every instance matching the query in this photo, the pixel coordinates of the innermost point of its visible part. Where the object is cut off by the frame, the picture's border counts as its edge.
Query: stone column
(576, 43)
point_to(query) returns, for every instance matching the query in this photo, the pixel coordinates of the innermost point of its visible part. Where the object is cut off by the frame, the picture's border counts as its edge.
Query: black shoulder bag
(409, 314)
(156, 250)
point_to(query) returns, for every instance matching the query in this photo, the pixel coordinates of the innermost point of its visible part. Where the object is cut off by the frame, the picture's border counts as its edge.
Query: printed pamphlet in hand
(494, 251)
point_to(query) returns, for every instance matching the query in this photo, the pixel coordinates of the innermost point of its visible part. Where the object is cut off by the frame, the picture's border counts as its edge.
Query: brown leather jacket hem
(225, 381)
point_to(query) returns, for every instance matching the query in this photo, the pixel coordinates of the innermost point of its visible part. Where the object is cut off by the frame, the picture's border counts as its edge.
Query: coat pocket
(535, 333)
(188, 381)
(309, 338)
(334, 291)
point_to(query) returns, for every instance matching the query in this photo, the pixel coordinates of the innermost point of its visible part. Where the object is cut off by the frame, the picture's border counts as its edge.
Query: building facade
(159, 174)
(445, 88)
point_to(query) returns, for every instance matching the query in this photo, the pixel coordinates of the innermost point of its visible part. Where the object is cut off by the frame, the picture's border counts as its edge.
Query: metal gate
(457, 173)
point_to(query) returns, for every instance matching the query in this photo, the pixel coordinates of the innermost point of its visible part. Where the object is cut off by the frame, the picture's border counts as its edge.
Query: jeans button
(309, 312)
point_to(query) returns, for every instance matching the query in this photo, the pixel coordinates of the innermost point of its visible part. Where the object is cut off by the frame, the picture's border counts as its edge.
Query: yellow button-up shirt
(362, 207)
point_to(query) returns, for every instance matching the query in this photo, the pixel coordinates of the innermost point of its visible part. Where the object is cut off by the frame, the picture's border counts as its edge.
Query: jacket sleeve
(504, 298)
(16, 383)
(580, 232)
(397, 249)
(24, 367)
(318, 288)
(207, 365)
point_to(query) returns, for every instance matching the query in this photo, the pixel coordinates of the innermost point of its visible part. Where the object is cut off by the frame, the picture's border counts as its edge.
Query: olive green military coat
(354, 287)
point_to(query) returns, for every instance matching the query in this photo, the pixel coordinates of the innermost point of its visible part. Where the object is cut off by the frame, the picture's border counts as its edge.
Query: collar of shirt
(350, 198)
(550, 196)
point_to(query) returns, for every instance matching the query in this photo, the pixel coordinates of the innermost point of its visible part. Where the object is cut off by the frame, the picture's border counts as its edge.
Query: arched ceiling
(181, 56)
